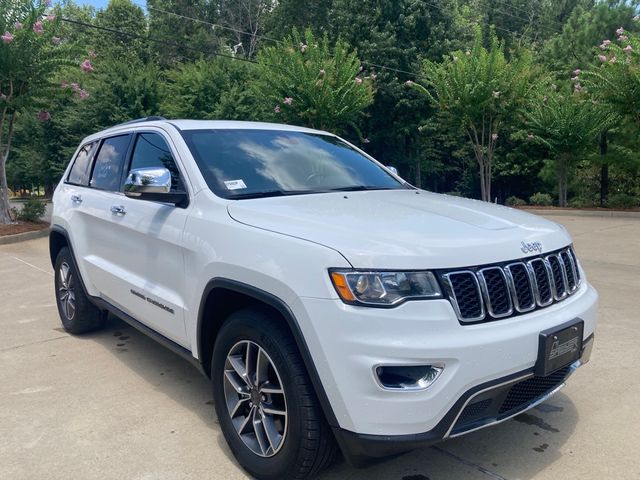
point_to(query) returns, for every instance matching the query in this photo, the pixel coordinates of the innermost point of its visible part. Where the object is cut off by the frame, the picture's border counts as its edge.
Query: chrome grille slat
(495, 289)
(474, 311)
(503, 290)
(521, 283)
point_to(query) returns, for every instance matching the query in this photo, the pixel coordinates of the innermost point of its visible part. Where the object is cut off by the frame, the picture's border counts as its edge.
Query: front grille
(499, 291)
(525, 392)
(507, 400)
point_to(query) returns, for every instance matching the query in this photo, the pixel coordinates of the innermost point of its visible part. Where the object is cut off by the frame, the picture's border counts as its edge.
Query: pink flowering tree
(32, 50)
(305, 82)
(482, 91)
(616, 79)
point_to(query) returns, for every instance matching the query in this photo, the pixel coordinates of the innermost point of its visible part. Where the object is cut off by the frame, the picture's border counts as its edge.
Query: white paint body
(285, 246)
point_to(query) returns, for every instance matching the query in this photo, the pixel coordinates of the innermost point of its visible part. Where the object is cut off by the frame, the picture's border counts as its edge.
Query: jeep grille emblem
(531, 247)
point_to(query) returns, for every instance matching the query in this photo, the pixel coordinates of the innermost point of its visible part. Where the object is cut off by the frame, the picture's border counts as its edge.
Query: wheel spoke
(261, 436)
(269, 387)
(241, 402)
(250, 362)
(271, 431)
(240, 367)
(262, 367)
(246, 422)
(70, 307)
(273, 411)
(64, 271)
(239, 385)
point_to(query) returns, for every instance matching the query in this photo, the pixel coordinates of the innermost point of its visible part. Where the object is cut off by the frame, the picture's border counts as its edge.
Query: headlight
(383, 288)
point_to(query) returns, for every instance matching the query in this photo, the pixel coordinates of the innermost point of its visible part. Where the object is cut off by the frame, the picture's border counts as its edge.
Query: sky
(94, 3)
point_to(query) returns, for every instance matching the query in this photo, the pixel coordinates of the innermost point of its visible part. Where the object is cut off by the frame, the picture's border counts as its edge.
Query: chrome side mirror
(153, 184)
(147, 180)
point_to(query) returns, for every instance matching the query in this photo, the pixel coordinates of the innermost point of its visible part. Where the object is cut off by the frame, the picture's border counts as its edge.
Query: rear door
(137, 254)
(93, 228)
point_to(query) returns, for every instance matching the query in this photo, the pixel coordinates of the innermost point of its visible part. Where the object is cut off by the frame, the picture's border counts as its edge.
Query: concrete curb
(582, 213)
(21, 237)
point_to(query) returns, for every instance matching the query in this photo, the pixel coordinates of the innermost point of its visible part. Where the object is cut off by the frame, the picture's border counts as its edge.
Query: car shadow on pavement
(519, 448)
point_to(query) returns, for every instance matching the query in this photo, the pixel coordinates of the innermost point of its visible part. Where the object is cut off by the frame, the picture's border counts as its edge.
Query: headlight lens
(383, 288)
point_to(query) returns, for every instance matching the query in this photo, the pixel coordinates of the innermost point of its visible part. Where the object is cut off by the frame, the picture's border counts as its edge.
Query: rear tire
(295, 443)
(77, 313)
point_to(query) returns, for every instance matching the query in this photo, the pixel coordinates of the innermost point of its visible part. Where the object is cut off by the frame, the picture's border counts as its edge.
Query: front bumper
(483, 406)
(347, 342)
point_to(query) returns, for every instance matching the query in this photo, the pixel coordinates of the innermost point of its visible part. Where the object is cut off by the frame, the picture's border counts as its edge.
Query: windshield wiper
(358, 188)
(274, 193)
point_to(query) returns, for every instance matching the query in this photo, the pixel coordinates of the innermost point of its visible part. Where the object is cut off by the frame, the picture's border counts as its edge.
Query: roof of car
(201, 125)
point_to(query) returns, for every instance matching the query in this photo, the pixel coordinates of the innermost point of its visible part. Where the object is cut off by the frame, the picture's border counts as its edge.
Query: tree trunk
(604, 170)
(485, 179)
(418, 172)
(562, 182)
(5, 216)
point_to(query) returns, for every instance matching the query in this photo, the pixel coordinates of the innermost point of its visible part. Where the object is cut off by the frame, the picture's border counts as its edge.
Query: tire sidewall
(252, 326)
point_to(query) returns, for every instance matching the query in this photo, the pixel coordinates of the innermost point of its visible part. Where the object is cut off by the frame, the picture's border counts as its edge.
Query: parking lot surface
(116, 405)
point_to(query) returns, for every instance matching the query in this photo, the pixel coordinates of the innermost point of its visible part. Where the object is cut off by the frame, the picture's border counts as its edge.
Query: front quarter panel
(216, 246)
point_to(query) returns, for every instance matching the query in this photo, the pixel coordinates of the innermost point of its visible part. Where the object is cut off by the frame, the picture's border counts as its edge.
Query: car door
(90, 192)
(136, 248)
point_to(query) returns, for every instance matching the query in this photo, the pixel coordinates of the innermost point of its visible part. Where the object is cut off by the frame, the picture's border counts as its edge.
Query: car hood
(403, 229)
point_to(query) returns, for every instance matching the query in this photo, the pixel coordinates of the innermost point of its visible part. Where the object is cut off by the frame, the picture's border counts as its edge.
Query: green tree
(304, 81)
(616, 81)
(31, 52)
(482, 91)
(586, 27)
(122, 16)
(300, 14)
(211, 89)
(170, 21)
(567, 124)
(397, 35)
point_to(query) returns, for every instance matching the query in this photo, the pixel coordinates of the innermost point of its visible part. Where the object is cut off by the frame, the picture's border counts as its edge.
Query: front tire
(77, 313)
(266, 405)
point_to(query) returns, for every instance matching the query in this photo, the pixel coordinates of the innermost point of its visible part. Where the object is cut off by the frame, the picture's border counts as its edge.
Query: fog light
(407, 377)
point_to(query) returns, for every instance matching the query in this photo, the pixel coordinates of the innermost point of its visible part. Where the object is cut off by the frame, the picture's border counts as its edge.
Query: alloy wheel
(66, 291)
(255, 398)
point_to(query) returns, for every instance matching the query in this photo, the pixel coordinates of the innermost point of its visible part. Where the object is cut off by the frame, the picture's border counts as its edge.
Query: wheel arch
(58, 239)
(221, 297)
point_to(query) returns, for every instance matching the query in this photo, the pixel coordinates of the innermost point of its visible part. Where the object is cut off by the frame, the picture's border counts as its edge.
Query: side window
(151, 150)
(107, 171)
(79, 173)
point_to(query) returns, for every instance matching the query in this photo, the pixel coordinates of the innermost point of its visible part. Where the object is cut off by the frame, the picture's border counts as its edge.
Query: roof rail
(140, 120)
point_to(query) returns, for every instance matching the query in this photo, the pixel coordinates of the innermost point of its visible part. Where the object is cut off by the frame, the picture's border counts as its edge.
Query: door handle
(118, 209)
(75, 198)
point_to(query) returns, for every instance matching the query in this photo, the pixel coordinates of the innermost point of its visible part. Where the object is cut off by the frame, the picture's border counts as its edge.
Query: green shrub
(32, 210)
(582, 202)
(541, 199)
(623, 200)
(514, 201)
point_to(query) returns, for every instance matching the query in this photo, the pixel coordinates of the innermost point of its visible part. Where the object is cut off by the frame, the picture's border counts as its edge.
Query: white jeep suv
(332, 304)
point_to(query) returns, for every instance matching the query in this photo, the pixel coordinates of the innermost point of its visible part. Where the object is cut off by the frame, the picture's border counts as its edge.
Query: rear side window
(107, 170)
(79, 174)
(151, 150)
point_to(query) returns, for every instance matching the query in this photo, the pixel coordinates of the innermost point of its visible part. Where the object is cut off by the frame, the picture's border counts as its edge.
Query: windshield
(258, 163)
